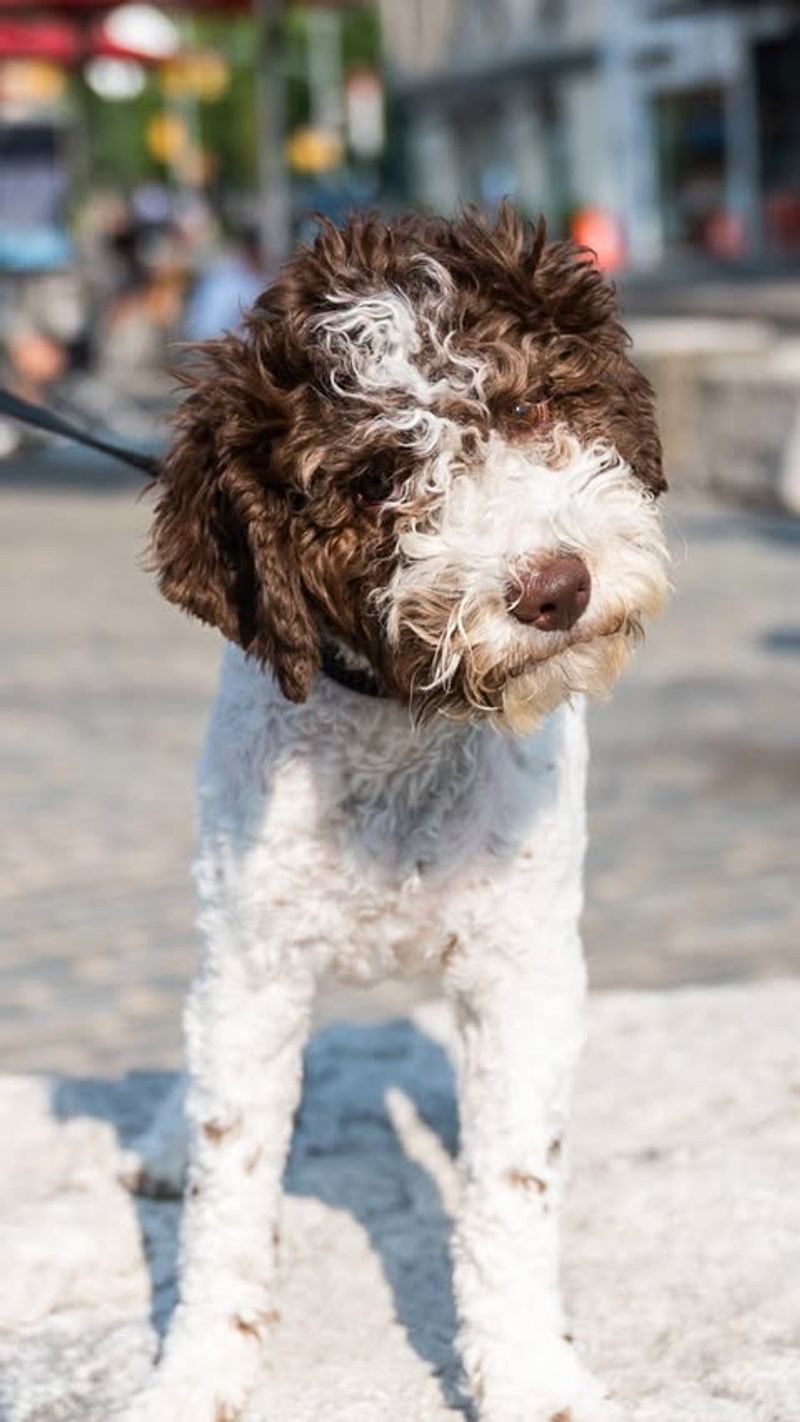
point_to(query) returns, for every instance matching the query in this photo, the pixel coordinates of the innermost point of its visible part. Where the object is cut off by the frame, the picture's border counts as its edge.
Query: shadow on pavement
(345, 1153)
(129, 1104)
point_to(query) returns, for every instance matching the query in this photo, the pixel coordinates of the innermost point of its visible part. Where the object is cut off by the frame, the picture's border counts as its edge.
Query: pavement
(680, 1234)
(695, 812)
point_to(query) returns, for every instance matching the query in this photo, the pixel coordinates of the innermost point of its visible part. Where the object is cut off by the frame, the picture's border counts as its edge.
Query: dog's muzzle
(551, 594)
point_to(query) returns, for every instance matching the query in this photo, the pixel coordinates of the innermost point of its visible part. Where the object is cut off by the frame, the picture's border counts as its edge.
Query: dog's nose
(552, 594)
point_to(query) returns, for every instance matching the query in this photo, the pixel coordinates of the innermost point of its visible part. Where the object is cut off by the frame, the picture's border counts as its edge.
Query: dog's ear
(220, 542)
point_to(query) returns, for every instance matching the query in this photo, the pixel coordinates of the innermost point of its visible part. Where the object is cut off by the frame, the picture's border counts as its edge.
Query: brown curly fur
(270, 522)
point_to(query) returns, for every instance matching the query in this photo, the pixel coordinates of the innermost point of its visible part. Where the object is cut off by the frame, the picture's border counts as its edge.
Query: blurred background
(156, 164)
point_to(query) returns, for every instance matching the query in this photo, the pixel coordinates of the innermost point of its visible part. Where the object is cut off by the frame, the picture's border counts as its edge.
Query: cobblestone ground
(694, 795)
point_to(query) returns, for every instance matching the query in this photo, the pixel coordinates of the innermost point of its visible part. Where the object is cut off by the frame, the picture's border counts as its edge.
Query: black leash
(333, 664)
(43, 419)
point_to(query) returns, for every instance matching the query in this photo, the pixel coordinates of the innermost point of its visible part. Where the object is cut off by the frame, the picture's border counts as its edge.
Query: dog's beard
(464, 677)
(456, 648)
(590, 667)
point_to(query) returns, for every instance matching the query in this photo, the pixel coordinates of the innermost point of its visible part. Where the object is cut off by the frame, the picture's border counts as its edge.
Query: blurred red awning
(71, 31)
(87, 7)
(61, 42)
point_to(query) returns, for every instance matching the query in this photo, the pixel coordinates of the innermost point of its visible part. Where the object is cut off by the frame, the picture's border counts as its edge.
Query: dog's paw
(550, 1386)
(168, 1404)
(208, 1370)
(198, 1398)
(158, 1177)
(581, 1398)
(156, 1164)
(601, 1409)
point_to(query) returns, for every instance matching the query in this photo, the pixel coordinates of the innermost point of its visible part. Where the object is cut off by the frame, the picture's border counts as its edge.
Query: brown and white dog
(417, 496)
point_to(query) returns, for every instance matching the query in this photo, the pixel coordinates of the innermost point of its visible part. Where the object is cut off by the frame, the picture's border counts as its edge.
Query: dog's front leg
(246, 1027)
(520, 1015)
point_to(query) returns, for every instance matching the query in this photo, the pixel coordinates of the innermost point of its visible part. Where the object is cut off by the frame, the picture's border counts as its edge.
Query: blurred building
(666, 129)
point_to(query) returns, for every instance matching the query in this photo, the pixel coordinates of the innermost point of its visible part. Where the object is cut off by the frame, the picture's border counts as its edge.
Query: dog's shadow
(350, 1151)
(129, 1105)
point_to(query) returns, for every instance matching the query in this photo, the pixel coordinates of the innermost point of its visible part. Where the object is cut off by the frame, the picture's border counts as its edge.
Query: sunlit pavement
(695, 807)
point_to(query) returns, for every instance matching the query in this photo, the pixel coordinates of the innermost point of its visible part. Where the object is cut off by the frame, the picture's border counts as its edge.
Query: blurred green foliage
(227, 127)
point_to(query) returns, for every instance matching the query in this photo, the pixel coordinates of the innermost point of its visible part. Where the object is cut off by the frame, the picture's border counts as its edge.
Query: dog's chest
(372, 843)
(409, 810)
(413, 835)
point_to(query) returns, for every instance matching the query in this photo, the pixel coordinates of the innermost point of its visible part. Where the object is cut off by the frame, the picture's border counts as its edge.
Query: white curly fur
(340, 836)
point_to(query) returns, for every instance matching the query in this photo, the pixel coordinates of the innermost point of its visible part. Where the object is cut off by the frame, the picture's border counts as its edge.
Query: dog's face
(430, 445)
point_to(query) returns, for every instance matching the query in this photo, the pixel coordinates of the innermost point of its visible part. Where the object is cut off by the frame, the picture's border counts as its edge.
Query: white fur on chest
(373, 845)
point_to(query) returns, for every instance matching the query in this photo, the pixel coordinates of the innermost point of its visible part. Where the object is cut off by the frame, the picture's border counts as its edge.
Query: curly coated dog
(417, 495)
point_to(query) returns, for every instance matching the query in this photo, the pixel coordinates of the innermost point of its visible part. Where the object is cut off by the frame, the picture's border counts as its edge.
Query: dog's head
(430, 445)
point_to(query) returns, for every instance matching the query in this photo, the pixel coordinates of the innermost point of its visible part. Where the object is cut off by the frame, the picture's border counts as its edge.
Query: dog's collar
(358, 679)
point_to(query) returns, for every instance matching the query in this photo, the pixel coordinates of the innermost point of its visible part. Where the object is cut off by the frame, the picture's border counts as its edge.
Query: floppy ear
(220, 542)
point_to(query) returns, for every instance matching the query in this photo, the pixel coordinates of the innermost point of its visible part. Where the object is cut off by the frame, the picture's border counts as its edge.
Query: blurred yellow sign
(314, 150)
(167, 137)
(31, 81)
(203, 75)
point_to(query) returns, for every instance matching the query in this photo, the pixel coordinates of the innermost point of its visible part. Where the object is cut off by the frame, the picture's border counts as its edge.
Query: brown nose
(553, 594)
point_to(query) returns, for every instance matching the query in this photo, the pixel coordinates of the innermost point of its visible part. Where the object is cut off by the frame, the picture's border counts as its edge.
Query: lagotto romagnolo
(417, 495)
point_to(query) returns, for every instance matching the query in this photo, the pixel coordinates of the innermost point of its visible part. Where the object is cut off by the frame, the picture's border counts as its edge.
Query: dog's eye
(529, 414)
(378, 480)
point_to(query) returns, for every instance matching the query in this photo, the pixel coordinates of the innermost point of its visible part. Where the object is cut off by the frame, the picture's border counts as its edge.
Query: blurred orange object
(313, 149)
(167, 137)
(201, 75)
(599, 230)
(31, 81)
(36, 360)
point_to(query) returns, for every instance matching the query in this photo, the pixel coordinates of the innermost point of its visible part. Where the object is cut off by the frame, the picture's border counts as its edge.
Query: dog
(417, 495)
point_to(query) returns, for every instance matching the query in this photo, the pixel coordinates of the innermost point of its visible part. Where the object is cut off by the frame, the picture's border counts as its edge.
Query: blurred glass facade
(675, 130)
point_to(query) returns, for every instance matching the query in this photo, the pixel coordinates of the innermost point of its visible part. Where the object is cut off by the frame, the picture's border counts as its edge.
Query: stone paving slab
(694, 794)
(681, 1245)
